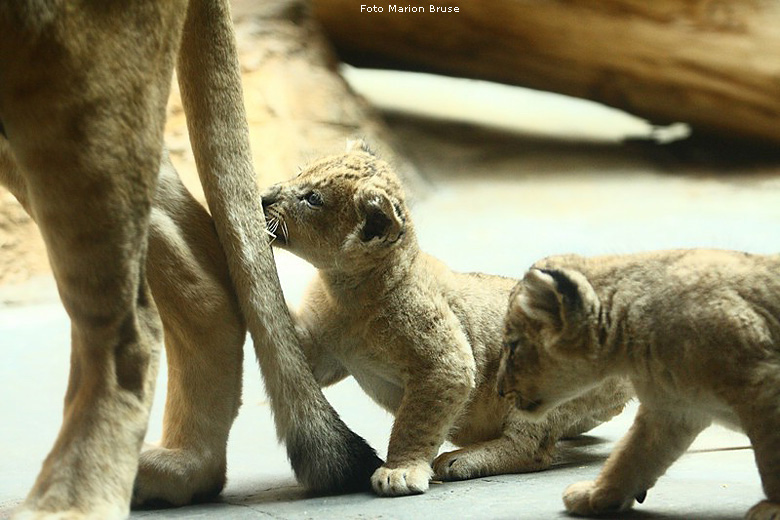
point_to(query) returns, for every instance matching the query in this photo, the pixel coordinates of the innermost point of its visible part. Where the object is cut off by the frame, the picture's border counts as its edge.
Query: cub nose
(270, 196)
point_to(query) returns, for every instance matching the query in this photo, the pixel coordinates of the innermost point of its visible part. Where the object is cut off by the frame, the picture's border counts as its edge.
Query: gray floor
(497, 201)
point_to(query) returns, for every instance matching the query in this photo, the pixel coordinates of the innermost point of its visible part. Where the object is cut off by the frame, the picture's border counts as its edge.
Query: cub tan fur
(698, 333)
(83, 90)
(421, 340)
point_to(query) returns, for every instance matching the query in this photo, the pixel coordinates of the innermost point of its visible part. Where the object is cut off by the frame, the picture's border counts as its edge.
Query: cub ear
(380, 214)
(358, 145)
(557, 298)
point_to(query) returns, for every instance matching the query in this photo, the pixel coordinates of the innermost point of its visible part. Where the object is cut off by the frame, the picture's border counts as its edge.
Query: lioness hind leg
(83, 113)
(204, 339)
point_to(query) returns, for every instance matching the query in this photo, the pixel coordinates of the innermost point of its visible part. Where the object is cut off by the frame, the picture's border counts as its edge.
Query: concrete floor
(549, 177)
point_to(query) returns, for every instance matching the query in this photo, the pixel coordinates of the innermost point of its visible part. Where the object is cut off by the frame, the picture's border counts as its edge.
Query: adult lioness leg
(204, 339)
(204, 336)
(324, 452)
(84, 120)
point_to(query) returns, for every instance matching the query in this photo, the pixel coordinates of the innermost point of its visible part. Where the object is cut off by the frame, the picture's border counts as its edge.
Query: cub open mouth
(276, 227)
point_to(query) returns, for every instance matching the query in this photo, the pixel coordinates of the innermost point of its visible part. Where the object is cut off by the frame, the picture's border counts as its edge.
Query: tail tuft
(332, 461)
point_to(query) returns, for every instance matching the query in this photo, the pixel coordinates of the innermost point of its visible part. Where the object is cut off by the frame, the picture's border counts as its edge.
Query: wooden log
(714, 64)
(298, 105)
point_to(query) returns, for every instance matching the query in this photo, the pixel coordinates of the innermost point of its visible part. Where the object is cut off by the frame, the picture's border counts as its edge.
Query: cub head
(551, 341)
(339, 211)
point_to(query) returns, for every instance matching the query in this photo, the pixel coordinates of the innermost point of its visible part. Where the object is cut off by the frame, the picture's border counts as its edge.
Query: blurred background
(695, 86)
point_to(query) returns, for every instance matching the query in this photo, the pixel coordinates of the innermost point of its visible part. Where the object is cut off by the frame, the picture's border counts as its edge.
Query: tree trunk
(712, 64)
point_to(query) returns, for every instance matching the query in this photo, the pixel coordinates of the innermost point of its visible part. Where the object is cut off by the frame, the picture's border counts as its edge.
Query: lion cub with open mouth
(422, 341)
(697, 331)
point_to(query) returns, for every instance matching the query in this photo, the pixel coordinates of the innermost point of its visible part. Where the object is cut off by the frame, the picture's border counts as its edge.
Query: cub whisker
(270, 227)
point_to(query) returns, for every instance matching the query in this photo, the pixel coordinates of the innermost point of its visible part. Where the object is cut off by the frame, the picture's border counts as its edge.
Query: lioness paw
(108, 512)
(764, 510)
(48, 515)
(584, 498)
(405, 480)
(177, 477)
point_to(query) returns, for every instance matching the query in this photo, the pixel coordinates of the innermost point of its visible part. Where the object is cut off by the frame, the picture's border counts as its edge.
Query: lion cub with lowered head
(422, 341)
(698, 333)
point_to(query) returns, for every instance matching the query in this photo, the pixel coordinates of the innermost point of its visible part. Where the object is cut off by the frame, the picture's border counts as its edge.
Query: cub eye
(313, 199)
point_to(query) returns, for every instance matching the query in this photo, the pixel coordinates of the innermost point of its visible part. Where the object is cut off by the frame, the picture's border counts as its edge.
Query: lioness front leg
(656, 439)
(84, 117)
(432, 402)
(204, 338)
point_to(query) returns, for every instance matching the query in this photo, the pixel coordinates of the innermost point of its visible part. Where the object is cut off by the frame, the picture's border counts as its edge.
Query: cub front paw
(764, 510)
(411, 479)
(585, 499)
